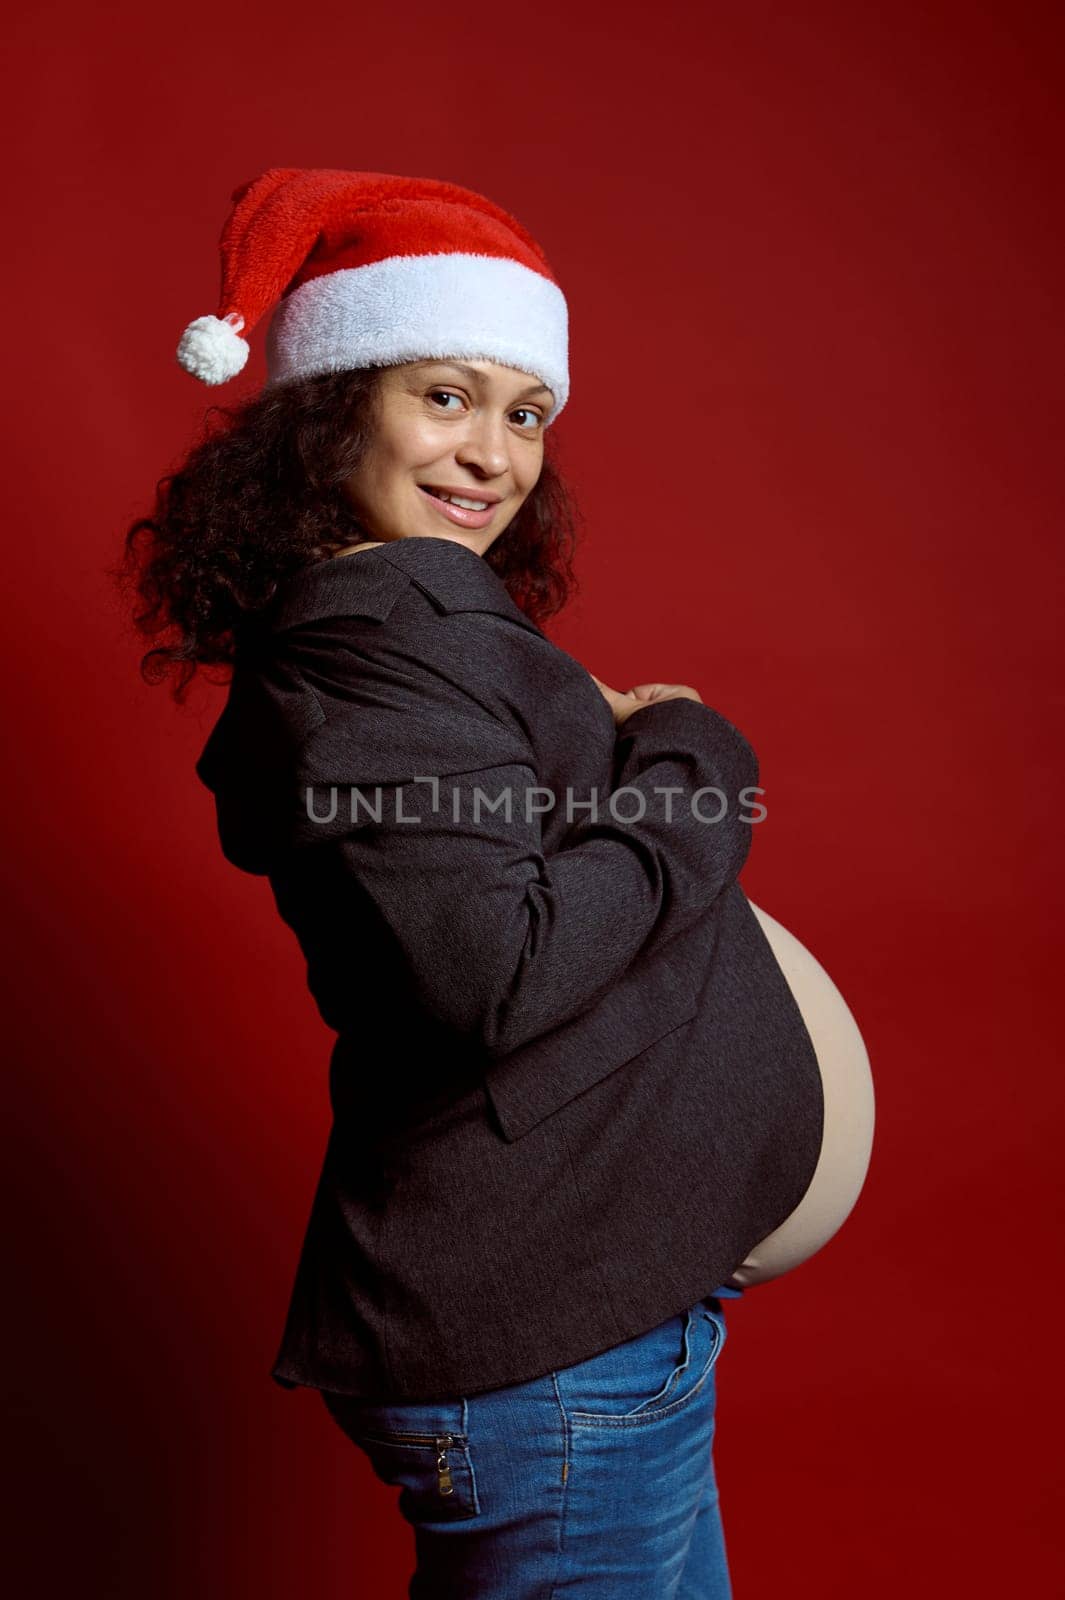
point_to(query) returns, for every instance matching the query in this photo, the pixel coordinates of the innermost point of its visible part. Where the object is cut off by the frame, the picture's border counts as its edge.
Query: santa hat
(372, 269)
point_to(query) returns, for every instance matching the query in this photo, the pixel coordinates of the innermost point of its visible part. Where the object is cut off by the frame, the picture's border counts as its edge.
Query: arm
(504, 941)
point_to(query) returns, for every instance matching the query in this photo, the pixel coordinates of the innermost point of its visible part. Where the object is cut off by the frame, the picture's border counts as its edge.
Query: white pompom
(212, 349)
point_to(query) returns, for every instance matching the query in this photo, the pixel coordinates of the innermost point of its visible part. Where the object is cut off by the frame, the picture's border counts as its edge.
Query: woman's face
(472, 427)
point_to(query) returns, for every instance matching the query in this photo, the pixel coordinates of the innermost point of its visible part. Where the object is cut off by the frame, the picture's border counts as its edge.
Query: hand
(623, 705)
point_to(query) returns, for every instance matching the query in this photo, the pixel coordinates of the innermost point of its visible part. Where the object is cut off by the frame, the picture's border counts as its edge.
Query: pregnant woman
(582, 1091)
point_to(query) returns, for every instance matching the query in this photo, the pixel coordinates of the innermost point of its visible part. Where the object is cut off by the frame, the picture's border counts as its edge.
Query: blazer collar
(368, 584)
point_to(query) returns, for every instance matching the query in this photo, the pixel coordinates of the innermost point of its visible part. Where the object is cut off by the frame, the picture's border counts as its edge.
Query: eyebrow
(471, 372)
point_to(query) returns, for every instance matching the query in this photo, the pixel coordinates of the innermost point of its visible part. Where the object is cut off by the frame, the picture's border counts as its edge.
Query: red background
(812, 256)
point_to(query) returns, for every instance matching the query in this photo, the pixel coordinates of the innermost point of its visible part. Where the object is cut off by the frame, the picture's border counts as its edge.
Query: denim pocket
(423, 1450)
(652, 1376)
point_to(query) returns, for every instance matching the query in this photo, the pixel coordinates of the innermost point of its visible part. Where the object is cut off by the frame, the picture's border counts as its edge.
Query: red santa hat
(372, 269)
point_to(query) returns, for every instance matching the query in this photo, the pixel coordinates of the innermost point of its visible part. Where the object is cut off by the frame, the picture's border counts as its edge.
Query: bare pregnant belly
(847, 1083)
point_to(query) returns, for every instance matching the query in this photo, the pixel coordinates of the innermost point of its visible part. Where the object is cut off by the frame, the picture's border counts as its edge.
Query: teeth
(459, 500)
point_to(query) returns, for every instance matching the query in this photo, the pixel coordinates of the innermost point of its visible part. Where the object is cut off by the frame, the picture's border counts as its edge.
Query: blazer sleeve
(503, 939)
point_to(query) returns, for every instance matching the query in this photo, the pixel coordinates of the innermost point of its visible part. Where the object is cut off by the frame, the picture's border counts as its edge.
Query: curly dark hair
(259, 496)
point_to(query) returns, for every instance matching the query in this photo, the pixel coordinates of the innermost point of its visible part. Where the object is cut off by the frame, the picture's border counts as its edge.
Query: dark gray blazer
(571, 1088)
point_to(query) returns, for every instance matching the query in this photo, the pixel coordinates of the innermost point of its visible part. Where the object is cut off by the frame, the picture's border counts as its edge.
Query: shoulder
(370, 582)
(414, 614)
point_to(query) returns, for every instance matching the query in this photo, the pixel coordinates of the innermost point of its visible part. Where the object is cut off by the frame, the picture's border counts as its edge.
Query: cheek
(416, 442)
(529, 470)
(385, 476)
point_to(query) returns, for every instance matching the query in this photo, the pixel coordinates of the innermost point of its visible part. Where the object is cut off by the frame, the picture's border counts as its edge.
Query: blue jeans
(596, 1480)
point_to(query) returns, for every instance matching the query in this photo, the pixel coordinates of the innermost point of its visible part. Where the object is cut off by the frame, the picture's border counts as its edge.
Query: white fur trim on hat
(414, 308)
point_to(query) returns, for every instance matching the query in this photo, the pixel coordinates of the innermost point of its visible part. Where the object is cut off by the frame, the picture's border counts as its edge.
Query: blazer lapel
(369, 582)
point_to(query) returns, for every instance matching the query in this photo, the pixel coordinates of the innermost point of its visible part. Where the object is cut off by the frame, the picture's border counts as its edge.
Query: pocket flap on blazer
(643, 1006)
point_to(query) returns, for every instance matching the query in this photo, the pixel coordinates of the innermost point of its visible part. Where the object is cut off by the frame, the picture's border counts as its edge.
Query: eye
(526, 411)
(446, 393)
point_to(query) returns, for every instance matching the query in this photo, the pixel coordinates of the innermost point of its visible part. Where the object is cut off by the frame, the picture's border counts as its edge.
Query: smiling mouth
(465, 502)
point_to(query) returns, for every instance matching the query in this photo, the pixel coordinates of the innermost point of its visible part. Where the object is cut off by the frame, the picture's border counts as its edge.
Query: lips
(442, 491)
(460, 516)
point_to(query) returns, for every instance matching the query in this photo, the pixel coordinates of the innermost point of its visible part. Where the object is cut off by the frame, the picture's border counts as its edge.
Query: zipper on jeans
(443, 1470)
(441, 1443)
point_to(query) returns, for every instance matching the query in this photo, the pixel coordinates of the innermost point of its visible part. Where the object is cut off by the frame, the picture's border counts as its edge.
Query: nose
(484, 445)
